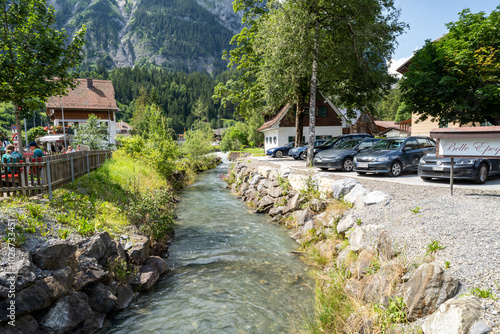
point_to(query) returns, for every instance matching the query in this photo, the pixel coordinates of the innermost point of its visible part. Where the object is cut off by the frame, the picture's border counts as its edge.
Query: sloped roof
(351, 120)
(275, 119)
(101, 97)
(386, 124)
(121, 125)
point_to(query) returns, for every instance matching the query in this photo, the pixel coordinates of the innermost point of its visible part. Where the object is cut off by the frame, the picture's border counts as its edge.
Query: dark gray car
(393, 155)
(341, 157)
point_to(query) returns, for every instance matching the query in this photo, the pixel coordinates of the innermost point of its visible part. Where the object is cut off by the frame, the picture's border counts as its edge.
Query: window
(267, 140)
(366, 144)
(291, 138)
(425, 143)
(322, 112)
(412, 143)
(275, 139)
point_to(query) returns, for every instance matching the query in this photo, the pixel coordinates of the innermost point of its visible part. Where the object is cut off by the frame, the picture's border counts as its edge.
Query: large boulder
(364, 237)
(385, 248)
(275, 191)
(342, 187)
(297, 181)
(124, 296)
(356, 192)
(92, 324)
(40, 294)
(96, 246)
(139, 250)
(455, 316)
(325, 186)
(20, 275)
(67, 313)
(375, 197)
(301, 216)
(149, 273)
(427, 289)
(101, 298)
(345, 224)
(115, 252)
(292, 205)
(255, 179)
(265, 171)
(56, 256)
(89, 271)
(23, 325)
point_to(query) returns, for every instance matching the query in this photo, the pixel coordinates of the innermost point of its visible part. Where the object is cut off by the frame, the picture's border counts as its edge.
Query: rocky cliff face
(180, 34)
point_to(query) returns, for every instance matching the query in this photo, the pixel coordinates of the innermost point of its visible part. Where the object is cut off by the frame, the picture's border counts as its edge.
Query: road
(493, 183)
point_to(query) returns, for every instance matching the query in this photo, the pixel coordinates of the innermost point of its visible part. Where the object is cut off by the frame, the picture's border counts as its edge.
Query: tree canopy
(33, 53)
(457, 78)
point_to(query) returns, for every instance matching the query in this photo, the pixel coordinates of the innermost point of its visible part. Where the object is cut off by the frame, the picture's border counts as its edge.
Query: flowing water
(231, 272)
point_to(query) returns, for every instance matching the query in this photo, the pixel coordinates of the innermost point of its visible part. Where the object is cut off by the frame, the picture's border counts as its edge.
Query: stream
(231, 271)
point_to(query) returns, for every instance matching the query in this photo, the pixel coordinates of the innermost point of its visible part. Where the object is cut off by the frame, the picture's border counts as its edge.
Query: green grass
(254, 151)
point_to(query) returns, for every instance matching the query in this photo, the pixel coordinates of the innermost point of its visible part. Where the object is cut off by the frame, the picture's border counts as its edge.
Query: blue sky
(427, 19)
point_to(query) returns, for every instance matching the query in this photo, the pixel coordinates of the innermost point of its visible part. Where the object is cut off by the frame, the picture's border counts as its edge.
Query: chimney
(90, 84)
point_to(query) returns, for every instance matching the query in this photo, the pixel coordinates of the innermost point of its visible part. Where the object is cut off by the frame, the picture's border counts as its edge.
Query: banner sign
(470, 147)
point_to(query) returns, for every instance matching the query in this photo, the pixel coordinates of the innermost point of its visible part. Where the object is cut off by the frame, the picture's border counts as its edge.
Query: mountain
(188, 35)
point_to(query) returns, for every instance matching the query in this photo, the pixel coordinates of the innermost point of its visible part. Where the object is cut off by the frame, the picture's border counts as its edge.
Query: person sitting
(70, 150)
(10, 158)
(37, 153)
(14, 152)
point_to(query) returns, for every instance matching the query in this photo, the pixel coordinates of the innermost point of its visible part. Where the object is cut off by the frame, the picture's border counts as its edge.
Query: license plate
(362, 165)
(440, 168)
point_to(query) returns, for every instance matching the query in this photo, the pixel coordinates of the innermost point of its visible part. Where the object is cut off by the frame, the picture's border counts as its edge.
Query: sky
(427, 19)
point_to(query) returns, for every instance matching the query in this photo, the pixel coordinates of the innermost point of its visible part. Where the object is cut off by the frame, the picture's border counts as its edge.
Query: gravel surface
(466, 224)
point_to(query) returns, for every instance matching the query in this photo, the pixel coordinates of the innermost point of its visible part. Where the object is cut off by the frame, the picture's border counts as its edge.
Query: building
(393, 129)
(279, 128)
(88, 97)
(123, 128)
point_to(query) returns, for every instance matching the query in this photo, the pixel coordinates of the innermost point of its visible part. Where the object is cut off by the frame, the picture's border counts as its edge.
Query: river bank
(413, 217)
(67, 262)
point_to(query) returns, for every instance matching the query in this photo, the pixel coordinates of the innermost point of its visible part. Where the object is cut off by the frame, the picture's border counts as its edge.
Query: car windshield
(348, 144)
(389, 144)
(289, 144)
(330, 141)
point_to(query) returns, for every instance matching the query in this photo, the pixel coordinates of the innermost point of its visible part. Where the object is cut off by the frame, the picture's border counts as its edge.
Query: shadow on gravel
(486, 195)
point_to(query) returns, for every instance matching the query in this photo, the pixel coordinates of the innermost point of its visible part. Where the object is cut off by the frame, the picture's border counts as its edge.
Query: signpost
(467, 142)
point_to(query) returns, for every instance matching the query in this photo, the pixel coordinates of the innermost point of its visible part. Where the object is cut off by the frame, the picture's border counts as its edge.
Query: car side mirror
(406, 149)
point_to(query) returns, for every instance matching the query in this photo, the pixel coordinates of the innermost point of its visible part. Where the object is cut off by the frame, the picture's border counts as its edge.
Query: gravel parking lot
(467, 224)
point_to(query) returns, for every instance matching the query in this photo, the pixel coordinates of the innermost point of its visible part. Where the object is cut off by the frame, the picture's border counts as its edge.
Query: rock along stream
(231, 272)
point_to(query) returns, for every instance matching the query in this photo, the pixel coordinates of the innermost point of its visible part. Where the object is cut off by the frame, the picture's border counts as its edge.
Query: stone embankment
(378, 271)
(69, 286)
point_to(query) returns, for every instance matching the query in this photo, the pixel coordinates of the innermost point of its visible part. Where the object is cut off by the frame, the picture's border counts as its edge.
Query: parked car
(394, 155)
(342, 155)
(279, 152)
(330, 143)
(301, 152)
(475, 169)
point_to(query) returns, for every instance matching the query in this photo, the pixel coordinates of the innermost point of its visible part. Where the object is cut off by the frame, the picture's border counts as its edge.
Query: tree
(457, 78)
(94, 133)
(33, 54)
(36, 132)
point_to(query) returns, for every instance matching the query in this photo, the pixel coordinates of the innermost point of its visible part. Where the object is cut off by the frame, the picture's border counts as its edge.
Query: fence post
(49, 179)
(88, 167)
(72, 170)
(98, 154)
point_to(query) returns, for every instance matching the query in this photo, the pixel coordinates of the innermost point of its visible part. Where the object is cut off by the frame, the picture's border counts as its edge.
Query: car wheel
(396, 169)
(279, 154)
(302, 156)
(347, 165)
(482, 174)
(426, 178)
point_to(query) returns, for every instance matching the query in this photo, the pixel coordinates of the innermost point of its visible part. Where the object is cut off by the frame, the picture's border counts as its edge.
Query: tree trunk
(299, 120)
(312, 97)
(17, 112)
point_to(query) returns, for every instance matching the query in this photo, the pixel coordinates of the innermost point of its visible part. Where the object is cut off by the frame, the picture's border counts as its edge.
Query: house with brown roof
(393, 129)
(88, 97)
(279, 128)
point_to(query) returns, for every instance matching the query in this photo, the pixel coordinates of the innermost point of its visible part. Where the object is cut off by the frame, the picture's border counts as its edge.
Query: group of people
(12, 156)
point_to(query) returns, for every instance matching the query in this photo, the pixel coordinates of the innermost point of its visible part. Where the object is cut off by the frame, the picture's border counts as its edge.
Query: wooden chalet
(279, 128)
(88, 97)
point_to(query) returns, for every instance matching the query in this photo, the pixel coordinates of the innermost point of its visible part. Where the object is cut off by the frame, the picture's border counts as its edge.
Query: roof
(386, 124)
(121, 125)
(275, 119)
(101, 97)
(52, 138)
(351, 120)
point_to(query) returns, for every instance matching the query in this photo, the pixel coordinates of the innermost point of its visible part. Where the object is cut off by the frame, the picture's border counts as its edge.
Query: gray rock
(255, 179)
(345, 224)
(40, 294)
(341, 258)
(363, 237)
(275, 211)
(293, 204)
(375, 197)
(21, 273)
(454, 316)
(139, 252)
(96, 246)
(480, 328)
(115, 252)
(101, 298)
(385, 248)
(23, 325)
(364, 262)
(57, 256)
(92, 324)
(275, 191)
(266, 202)
(356, 191)
(124, 296)
(149, 273)
(429, 287)
(343, 187)
(308, 226)
(67, 313)
(89, 271)
(318, 205)
(301, 216)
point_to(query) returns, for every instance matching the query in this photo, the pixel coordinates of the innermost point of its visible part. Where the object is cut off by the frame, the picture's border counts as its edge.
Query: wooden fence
(48, 173)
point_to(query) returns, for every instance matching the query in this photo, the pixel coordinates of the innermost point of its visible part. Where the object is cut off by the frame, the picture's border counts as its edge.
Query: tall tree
(35, 58)
(457, 78)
